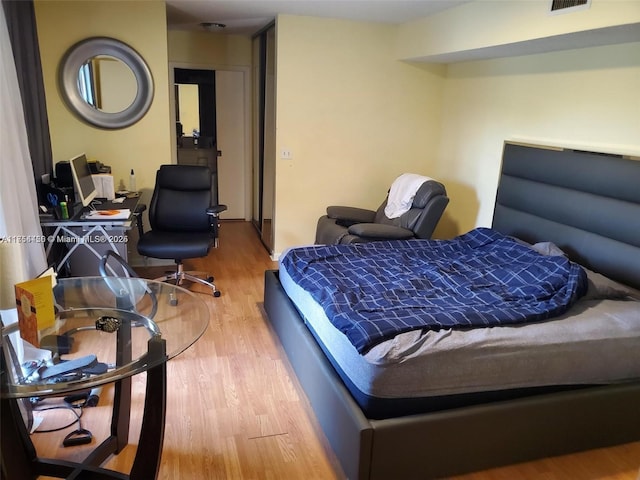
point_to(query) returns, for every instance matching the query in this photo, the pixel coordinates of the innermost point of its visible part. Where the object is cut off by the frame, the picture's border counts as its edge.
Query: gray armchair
(343, 225)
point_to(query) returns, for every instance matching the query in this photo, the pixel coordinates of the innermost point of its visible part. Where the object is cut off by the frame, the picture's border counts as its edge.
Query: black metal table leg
(122, 390)
(147, 462)
(18, 453)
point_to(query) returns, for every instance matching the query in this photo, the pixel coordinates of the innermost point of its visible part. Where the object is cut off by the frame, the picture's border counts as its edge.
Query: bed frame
(586, 203)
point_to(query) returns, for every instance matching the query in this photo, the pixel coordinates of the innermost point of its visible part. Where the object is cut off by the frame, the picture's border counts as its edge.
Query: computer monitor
(82, 179)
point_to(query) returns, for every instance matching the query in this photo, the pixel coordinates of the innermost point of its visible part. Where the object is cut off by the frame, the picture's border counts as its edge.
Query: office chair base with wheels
(179, 276)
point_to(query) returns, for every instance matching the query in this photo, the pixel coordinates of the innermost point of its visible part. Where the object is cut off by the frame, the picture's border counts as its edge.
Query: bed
(580, 204)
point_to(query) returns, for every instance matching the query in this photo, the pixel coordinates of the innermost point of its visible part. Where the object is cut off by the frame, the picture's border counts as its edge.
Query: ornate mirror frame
(78, 55)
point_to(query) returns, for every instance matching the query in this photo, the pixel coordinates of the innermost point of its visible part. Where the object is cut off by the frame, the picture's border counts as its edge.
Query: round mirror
(106, 83)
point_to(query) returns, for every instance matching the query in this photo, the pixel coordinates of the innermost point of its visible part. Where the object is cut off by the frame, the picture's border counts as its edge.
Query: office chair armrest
(351, 215)
(216, 210)
(137, 214)
(380, 231)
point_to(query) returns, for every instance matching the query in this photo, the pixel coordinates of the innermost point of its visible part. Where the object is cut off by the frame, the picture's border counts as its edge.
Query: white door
(231, 142)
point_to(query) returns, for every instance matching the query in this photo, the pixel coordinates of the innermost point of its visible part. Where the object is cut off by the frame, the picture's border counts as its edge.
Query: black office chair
(183, 218)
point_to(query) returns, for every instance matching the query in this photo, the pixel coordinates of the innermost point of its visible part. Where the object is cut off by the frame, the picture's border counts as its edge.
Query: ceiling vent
(565, 6)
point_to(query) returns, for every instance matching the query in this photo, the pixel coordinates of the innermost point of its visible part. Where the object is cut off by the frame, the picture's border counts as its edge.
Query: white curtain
(19, 224)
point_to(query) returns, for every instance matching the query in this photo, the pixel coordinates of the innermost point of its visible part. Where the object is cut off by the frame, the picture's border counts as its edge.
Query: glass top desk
(79, 243)
(131, 325)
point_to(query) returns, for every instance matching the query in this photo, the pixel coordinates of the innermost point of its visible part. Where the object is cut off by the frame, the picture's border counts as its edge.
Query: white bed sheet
(596, 342)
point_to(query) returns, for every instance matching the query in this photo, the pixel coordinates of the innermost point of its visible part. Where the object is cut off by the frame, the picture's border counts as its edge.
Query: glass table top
(118, 327)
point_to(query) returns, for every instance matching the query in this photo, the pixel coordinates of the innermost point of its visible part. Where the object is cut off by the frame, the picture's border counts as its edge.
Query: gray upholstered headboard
(586, 203)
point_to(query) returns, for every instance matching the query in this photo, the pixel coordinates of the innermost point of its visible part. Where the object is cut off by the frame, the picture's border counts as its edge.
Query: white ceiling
(249, 16)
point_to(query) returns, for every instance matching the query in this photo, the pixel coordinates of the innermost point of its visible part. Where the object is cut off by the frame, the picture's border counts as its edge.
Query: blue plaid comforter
(374, 291)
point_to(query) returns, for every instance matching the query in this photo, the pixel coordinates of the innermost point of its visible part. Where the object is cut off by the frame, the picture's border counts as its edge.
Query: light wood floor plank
(236, 411)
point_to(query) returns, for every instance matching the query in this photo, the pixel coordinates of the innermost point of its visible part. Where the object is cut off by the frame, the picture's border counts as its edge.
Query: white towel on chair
(403, 190)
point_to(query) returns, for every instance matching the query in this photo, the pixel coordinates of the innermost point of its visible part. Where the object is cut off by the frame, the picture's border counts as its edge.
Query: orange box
(34, 300)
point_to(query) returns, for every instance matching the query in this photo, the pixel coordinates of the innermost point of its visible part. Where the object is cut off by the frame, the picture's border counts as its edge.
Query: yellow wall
(587, 99)
(143, 146)
(353, 117)
(209, 48)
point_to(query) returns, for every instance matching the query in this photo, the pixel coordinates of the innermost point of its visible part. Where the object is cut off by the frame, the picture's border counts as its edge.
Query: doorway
(222, 130)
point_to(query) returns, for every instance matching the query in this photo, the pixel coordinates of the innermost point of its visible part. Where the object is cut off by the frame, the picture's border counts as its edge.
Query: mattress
(595, 342)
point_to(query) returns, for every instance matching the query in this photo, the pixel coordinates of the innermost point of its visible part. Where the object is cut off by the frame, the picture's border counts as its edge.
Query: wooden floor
(236, 411)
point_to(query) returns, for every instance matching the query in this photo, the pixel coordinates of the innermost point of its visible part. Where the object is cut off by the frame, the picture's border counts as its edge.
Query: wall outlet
(286, 154)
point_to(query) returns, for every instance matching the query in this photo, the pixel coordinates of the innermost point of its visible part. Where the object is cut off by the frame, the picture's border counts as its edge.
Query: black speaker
(63, 174)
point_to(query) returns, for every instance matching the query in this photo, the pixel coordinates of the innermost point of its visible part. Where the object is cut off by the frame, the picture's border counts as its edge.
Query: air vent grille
(564, 4)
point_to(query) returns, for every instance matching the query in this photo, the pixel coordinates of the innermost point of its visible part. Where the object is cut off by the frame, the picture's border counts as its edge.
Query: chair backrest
(180, 199)
(428, 205)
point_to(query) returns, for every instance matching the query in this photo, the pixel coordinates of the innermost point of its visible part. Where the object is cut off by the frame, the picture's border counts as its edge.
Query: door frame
(248, 165)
